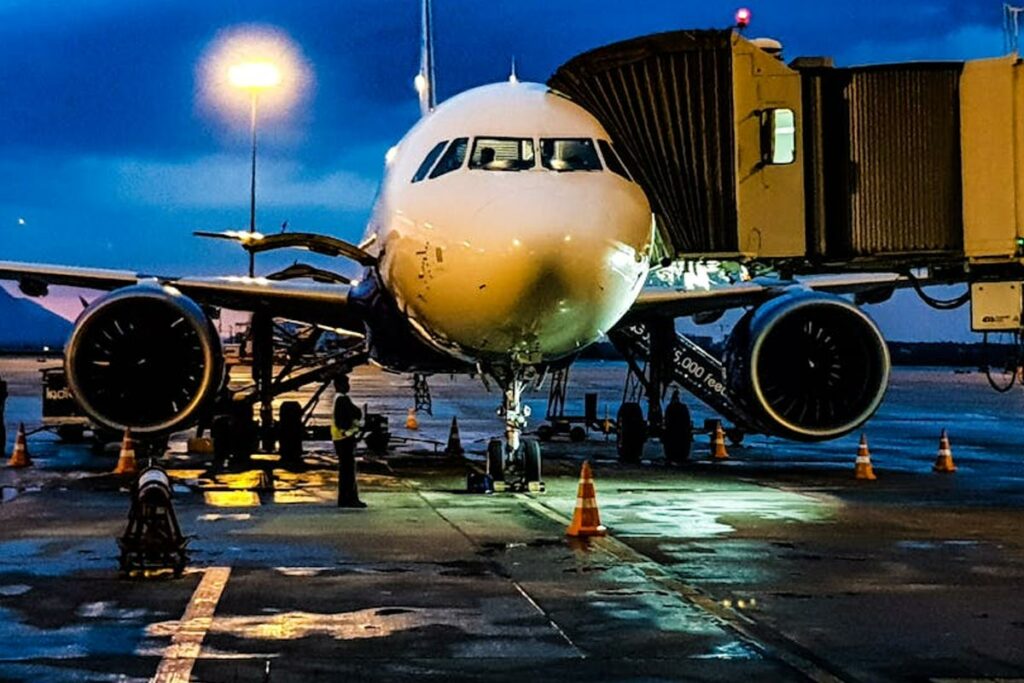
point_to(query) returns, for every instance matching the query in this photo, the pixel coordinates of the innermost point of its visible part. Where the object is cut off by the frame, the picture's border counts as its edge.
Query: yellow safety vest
(337, 433)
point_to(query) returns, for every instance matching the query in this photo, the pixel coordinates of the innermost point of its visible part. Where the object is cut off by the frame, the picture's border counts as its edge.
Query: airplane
(507, 237)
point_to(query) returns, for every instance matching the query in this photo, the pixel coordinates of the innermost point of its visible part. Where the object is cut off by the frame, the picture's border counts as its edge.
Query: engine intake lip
(842, 317)
(155, 303)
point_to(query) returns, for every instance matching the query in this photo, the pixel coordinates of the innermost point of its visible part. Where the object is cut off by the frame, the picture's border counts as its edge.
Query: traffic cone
(944, 462)
(864, 469)
(410, 421)
(718, 451)
(126, 460)
(19, 457)
(586, 520)
(454, 446)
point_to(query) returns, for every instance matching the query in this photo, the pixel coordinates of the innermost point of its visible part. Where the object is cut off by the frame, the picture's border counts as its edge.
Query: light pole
(253, 77)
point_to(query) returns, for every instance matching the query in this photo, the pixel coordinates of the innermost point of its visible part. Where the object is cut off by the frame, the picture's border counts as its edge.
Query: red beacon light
(743, 17)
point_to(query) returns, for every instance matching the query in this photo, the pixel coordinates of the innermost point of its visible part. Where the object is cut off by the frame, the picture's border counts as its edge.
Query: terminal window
(502, 154)
(571, 154)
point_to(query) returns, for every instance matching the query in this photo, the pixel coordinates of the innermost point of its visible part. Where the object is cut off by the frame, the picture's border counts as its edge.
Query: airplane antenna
(513, 77)
(425, 78)
(1011, 27)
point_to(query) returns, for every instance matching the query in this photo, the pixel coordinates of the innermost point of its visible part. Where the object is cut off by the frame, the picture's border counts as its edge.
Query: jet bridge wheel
(632, 432)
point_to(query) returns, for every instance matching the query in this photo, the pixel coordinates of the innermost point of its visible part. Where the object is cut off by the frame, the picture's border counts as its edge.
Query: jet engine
(145, 357)
(809, 366)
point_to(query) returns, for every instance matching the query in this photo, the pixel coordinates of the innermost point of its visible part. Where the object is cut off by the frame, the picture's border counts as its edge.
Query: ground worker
(3, 429)
(345, 426)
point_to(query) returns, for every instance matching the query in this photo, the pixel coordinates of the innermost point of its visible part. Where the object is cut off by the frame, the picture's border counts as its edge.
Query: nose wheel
(515, 463)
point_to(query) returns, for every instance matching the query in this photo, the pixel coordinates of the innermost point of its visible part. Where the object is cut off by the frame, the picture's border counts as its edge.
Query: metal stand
(424, 403)
(152, 539)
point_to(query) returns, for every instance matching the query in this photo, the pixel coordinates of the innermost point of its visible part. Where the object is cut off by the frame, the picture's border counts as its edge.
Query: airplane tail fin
(425, 78)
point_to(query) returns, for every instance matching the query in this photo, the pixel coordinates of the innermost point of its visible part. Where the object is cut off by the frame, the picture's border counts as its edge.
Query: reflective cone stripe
(586, 519)
(864, 470)
(126, 460)
(20, 457)
(944, 461)
(411, 422)
(718, 444)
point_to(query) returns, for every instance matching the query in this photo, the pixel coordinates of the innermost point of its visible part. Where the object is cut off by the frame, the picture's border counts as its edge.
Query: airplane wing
(676, 302)
(308, 302)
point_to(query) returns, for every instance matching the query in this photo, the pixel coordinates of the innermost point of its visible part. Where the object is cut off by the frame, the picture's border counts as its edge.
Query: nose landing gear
(515, 464)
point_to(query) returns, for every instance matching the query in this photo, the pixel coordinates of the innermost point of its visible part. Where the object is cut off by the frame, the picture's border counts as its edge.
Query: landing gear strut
(514, 465)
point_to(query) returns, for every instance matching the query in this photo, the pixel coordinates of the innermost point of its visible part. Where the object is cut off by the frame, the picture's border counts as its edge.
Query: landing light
(390, 155)
(420, 82)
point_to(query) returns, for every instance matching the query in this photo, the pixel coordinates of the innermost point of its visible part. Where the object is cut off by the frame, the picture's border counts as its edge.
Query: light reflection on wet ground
(428, 579)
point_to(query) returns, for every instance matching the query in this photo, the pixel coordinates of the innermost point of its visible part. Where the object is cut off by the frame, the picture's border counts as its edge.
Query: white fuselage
(523, 266)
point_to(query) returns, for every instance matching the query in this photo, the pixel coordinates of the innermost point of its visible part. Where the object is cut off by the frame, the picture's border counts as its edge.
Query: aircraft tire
(531, 460)
(496, 459)
(677, 433)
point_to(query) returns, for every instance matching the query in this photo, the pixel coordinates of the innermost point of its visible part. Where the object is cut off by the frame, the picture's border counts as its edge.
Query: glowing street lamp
(259, 68)
(253, 77)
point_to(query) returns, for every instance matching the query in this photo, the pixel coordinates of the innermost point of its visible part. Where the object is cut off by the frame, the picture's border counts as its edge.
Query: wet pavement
(774, 565)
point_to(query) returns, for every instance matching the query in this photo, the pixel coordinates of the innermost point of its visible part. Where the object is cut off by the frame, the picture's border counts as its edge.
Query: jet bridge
(810, 168)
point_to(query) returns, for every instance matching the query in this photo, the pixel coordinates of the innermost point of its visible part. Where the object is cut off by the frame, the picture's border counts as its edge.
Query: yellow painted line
(187, 643)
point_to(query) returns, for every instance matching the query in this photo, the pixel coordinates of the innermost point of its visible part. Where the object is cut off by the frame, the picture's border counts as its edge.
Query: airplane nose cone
(540, 274)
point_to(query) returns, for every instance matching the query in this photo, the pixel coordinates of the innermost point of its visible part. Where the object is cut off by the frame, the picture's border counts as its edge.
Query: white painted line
(187, 643)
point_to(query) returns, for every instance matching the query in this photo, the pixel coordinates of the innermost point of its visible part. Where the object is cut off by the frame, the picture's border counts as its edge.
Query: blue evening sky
(110, 158)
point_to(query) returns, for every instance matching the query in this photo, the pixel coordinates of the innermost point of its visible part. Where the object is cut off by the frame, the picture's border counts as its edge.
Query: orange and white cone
(586, 520)
(20, 457)
(411, 422)
(718, 451)
(944, 462)
(126, 460)
(864, 469)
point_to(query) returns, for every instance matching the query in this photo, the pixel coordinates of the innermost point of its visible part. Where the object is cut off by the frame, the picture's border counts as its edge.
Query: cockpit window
(612, 160)
(502, 154)
(428, 161)
(569, 154)
(452, 159)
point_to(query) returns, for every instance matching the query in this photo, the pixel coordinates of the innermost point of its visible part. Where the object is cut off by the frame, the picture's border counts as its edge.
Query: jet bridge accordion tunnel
(745, 157)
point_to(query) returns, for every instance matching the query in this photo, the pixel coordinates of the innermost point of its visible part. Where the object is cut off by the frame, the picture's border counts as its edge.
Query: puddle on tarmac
(110, 610)
(14, 589)
(20, 642)
(734, 650)
(215, 517)
(7, 494)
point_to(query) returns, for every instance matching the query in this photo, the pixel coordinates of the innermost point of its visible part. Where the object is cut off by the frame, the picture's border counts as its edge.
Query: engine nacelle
(144, 357)
(809, 366)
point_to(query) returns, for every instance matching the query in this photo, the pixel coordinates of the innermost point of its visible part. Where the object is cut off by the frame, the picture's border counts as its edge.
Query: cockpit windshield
(502, 154)
(569, 154)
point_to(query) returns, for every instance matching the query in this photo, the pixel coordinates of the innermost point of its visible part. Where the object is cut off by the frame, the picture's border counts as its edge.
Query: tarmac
(774, 565)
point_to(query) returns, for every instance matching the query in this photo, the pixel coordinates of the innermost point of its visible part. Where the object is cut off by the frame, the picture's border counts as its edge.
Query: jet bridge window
(569, 154)
(452, 159)
(428, 161)
(612, 160)
(502, 154)
(778, 136)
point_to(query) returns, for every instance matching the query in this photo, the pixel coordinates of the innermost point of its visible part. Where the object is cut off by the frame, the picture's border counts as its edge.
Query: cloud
(221, 181)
